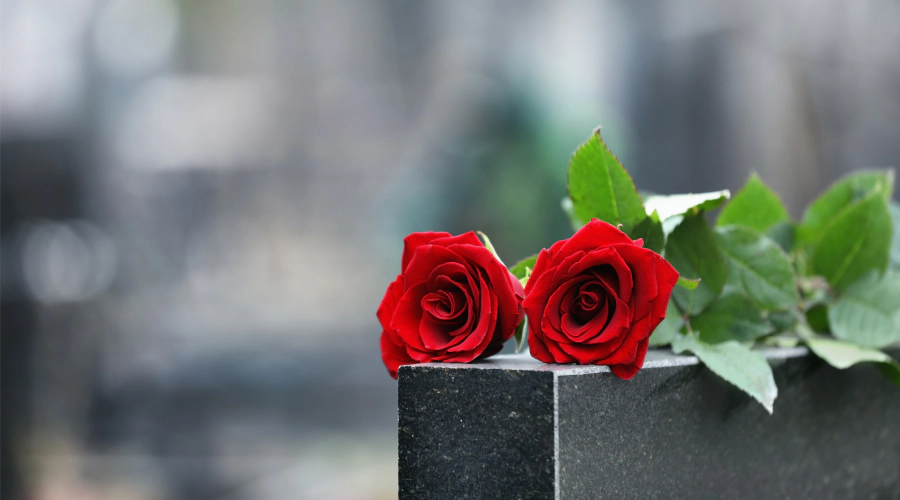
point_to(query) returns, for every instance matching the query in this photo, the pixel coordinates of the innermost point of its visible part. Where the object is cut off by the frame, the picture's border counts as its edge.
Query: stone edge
(656, 358)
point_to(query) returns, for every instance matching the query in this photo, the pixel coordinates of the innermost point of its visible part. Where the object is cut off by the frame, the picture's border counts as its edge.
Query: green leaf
(755, 206)
(843, 355)
(758, 267)
(669, 328)
(856, 242)
(524, 280)
(693, 251)
(891, 371)
(736, 363)
(778, 341)
(601, 188)
(732, 317)
(490, 246)
(671, 223)
(688, 284)
(520, 269)
(569, 209)
(783, 321)
(895, 245)
(817, 318)
(868, 312)
(650, 229)
(678, 204)
(783, 234)
(521, 334)
(838, 198)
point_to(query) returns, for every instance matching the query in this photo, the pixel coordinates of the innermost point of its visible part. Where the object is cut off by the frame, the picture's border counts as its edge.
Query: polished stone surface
(512, 427)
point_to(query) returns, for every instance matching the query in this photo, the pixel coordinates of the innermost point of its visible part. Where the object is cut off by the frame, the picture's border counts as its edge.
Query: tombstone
(513, 427)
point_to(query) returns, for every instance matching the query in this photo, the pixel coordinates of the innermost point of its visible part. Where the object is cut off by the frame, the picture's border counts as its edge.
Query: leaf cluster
(756, 278)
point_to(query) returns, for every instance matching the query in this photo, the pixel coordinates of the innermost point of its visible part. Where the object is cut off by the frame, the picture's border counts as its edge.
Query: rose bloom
(596, 298)
(453, 301)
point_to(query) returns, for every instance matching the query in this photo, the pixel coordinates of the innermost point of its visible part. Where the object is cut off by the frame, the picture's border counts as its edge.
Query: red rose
(596, 298)
(453, 301)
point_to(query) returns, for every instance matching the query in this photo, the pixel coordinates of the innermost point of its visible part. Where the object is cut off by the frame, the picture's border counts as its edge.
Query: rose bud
(453, 301)
(596, 298)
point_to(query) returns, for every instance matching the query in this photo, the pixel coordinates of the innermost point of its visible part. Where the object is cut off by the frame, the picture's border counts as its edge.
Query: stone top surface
(656, 358)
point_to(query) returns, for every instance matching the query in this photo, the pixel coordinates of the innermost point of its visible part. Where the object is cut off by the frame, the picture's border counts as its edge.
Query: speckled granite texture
(513, 428)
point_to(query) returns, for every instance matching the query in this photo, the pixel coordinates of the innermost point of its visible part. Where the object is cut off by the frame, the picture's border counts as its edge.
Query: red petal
(537, 293)
(449, 271)
(414, 241)
(463, 239)
(389, 302)
(590, 354)
(428, 257)
(501, 283)
(541, 266)
(557, 353)
(551, 323)
(407, 317)
(606, 257)
(578, 332)
(393, 355)
(485, 321)
(667, 278)
(537, 348)
(626, 372)
(643, 267)
(593, 235)
(628, 351)
(434, 333)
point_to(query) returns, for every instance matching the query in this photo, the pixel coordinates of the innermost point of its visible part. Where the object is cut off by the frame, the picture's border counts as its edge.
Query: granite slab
(512, 427)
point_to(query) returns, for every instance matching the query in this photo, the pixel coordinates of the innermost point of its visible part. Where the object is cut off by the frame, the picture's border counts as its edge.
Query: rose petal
(626, 372)
(485, 321)
(419, 355)
(581, 332)
(502, 283)
(389, 302)
(414, 241)
(561, 271)
(465, 357)
(492, 348)
(551, 319)
(617, 325)
(554, 248)
(438, 305)
(536, 346)
(643, 265)
(408, 315)
(434, 333)
(596, 331)
(558, 354)
(592, 235)
(464, 286)
(393, 355)
(541, 265)
(666, 278)
(601, 258)
(469, 238)
(455, 295)
(627, 352)
(441, 275)
(427, 258)
(537, 293)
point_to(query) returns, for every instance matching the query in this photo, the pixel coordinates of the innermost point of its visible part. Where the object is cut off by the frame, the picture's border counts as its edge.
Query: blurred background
(204, 200)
